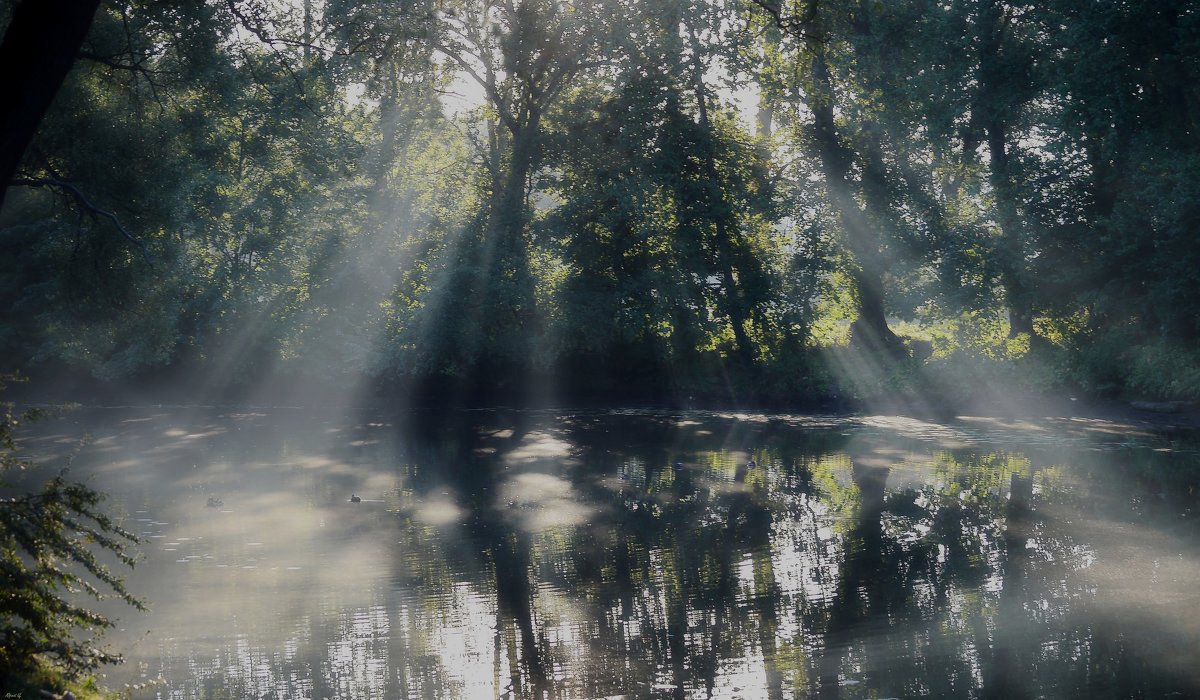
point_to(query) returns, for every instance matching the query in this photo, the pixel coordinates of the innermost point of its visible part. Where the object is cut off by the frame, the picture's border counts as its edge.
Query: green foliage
(976, 359)
(313, 208)
(45, 676)
(53, 542)
(1121, 362)
(1163, 370)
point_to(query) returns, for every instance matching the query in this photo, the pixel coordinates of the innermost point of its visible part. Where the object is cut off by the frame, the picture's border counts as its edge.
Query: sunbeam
(599, 348)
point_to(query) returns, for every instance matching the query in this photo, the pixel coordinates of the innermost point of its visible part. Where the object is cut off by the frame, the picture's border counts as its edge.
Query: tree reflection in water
(594, 555)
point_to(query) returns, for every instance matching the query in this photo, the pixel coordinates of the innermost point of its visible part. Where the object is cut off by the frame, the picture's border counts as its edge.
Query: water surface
(641, 554)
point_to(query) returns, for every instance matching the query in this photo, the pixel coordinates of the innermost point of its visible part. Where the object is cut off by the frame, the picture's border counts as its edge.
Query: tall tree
(522, 54)
(854, 180)
(725, 231)
(1005, 88)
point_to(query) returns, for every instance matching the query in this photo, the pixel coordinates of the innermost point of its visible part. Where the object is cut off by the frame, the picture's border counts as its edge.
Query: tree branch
(85, 204)
(802, 26)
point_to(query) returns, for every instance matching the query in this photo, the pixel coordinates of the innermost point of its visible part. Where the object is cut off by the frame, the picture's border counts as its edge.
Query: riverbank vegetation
(666, 201)
(58, 548)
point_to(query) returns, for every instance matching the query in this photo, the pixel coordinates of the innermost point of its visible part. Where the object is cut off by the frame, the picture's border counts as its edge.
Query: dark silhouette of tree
(39, 47)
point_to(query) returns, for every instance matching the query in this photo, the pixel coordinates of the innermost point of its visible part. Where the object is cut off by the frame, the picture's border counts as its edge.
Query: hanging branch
(85, 205)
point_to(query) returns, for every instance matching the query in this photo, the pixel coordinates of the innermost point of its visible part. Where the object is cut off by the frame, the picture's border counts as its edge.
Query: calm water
(649, 555)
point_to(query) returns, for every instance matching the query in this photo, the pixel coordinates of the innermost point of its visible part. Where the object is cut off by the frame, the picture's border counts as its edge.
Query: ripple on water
(571, 558)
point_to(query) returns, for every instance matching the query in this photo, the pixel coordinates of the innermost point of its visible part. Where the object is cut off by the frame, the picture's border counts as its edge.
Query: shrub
(51, 541)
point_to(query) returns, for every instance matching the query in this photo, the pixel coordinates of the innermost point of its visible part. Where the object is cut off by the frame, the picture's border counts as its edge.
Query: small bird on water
(214, 503)
(355, 499)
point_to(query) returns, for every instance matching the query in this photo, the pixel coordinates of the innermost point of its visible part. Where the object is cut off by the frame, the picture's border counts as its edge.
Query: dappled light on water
(601, 554)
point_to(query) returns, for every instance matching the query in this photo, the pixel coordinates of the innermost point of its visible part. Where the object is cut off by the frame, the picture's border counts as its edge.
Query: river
(646, 554)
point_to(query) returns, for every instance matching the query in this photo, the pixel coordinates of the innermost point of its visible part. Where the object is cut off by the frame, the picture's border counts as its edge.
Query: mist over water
(645, 554)
(917, 212)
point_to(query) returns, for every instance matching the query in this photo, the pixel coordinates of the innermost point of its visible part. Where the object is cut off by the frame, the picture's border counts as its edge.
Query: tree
(1005, 87)
(523, 55)
(737, 303)
(1128, 125)
(822, 33)
(668, 224)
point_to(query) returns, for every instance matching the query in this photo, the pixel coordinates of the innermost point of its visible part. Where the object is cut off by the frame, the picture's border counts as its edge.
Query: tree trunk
(764, 126)
(1012, 257)
(735, 305)
(871, 329)
(510, 256)
(996, 125)
(508, 320)
(38, 50)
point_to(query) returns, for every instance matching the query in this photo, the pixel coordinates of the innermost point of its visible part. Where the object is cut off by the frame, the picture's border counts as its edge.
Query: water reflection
(648, 555)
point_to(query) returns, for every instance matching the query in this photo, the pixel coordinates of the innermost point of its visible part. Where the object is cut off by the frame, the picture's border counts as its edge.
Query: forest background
(660, 201)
